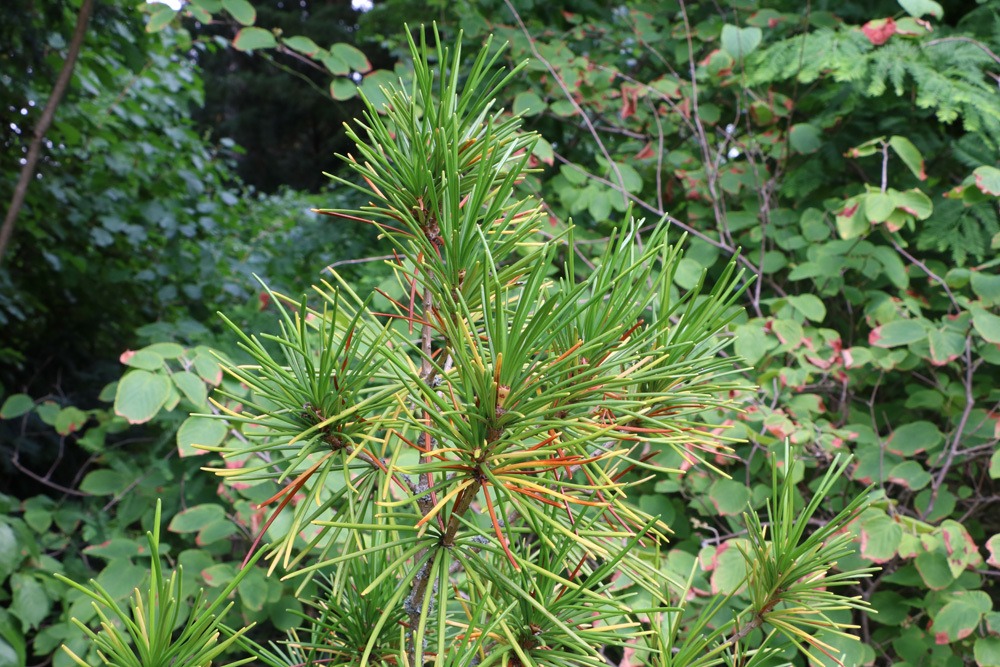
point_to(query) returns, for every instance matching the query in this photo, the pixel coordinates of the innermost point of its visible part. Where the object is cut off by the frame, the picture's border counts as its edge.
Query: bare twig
(48, 115)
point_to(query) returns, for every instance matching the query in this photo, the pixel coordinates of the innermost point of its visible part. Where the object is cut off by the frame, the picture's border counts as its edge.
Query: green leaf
(955, 621)
(752, 341)
(987, 651)
(253, 590)
(117, 548)
(986, 324)
(165, 350)
(810, 305)
(30, 603)
(199, 431)
(805, 138)
(910, 474)
(208, 369)
(194, 518)
(909, 154)
(945, 345)
(914, 202)
(193, 388)
(342, 88)
(12, 648)
(934, 570)
(303, 45)
(140, 395)
(160, 17)
(880, 537)
(740, 42)
(241, 10)
(144, 359)
(986, 286)
(897, 332)
(729, 567)
(9, 558)
(988, 180)
(528, 103)
(104, 483)
(729, 497)
(914, 438)
(371, 84)
(70, 420)
(16, 405)
(355, 59)
(878, 207)
(336, 64)
(210, 6)
(995, 465)
(251, 39)
(919, 8)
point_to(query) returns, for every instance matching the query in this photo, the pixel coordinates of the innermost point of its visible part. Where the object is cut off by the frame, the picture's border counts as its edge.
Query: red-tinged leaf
(646, 152)
(896, 333)
(993, 546)
(879, 31)
(880, 537)
(252, 39)
(988, 180)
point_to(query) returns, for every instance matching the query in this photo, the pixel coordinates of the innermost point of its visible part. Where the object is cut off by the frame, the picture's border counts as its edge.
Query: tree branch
(48, 114)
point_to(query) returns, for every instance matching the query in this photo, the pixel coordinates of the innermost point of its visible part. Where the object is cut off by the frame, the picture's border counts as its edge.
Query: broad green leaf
(371, 83)
(336, 64)
(878, 207)
(9, 558)
(355, 59)
(880, 537)
(208, 368)
(987, 287)
(253, 590)
(104, 482)
(988, 180)
(160, 17)
(193, 388)
(543, 151)
(945, 345)
(986, 324)
(210, 6)
(987, 651)
(914, 438)
(194, 518)
(198, 13)
(910, 474)
(897, 332)
(805, 138)
(892, 607)
(30, 603)
(342, 88)
(199, 431)
(851, 221)
(729, 497)
(909, 154)
(740, 42)
(303, 45)
(165, 350)
(729, 567)
(810, 305)
(914, 202)
(251, 39)
(121, 577)
(144, 359)
(956, 621)
(214, 531)
(241, 10)
(16, 405)
(70, 420)
(140, 395)
(117, 548)
(995, 465)
(528, 103)
(752, 342)
(919, 8)
(934, 570)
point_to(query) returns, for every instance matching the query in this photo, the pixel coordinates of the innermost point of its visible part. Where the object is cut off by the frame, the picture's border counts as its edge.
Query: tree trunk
(35, 148)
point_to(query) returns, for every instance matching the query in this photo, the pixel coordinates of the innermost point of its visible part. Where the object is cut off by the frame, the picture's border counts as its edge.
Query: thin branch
(48, 115)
